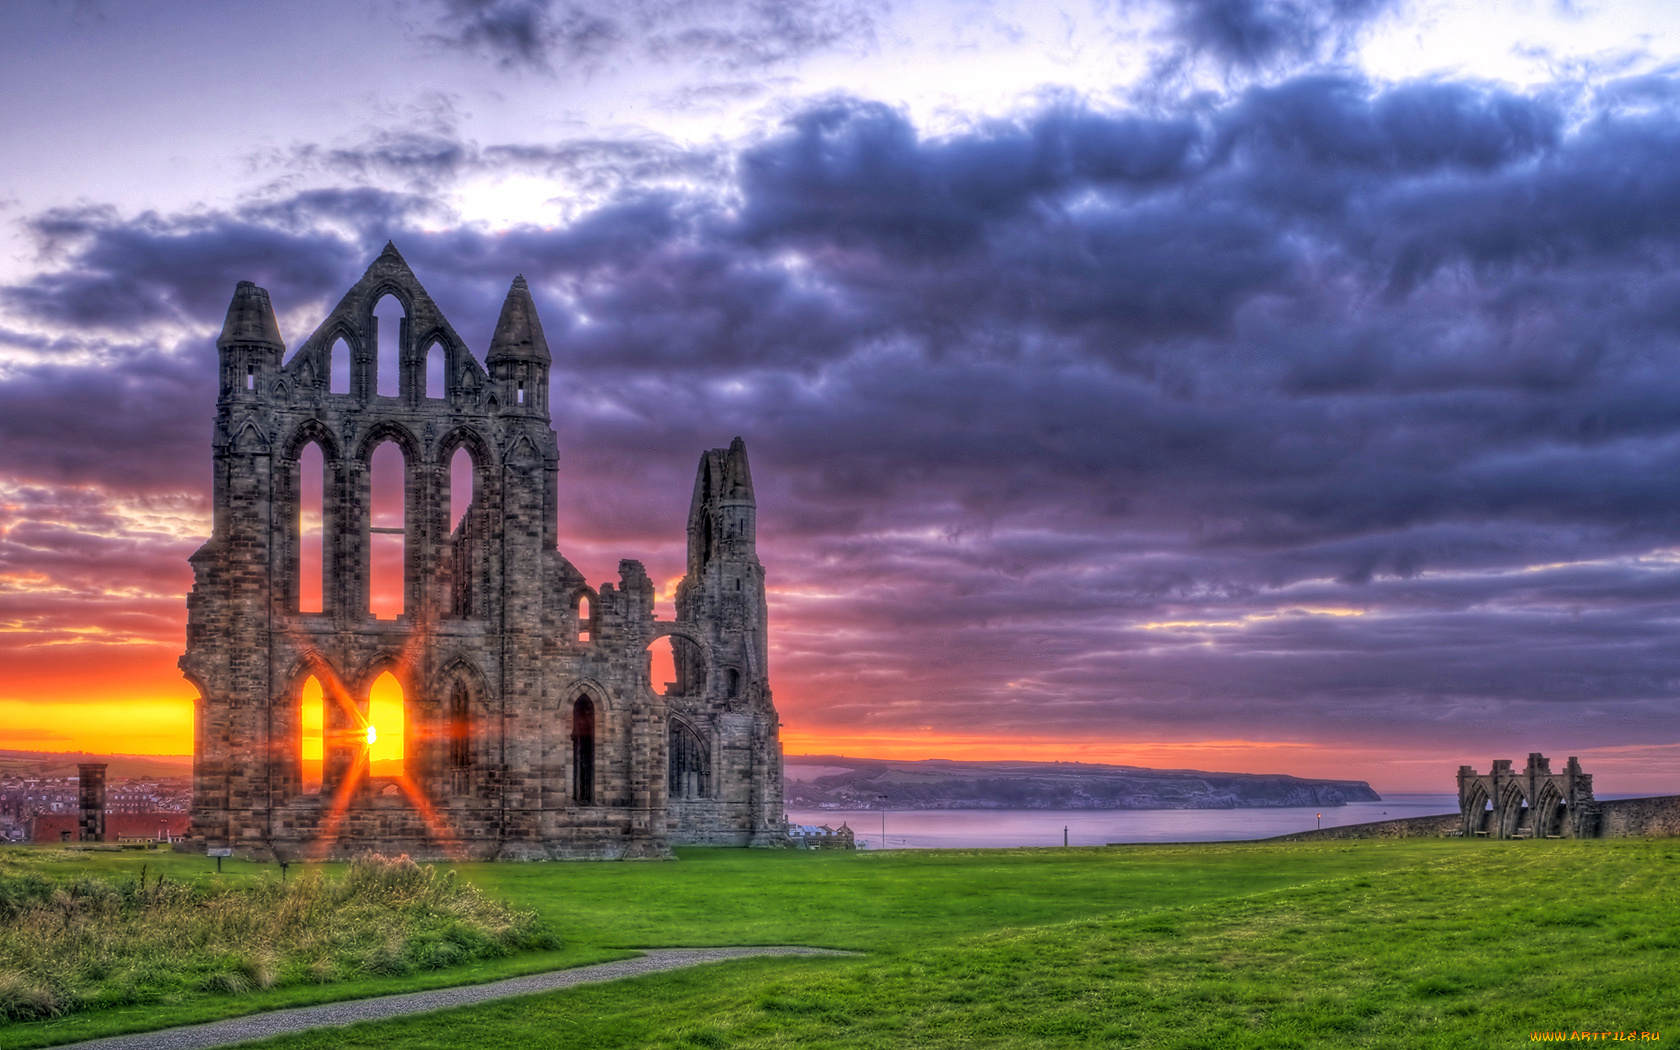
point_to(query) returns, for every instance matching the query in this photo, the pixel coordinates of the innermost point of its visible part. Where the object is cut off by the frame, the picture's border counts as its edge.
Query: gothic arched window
(583, 752)
(691, 763)
(460, 739)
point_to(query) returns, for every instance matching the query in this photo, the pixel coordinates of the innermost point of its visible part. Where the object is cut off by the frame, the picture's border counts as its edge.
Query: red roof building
(119, 827)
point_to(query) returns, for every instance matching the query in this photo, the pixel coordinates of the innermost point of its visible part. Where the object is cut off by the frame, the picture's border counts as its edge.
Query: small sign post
(218, 854)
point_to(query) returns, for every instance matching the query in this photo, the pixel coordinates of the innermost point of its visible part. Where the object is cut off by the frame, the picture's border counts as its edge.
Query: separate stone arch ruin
(530, 729)
(1533, 803)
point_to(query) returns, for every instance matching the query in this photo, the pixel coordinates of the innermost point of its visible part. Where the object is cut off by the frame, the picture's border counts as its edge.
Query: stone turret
(250, 345)
(519, 360)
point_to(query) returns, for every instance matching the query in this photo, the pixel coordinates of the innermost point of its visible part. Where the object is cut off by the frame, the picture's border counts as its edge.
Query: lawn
(1403, 944)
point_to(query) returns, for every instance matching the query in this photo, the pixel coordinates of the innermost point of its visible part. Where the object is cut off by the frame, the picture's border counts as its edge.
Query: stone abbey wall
(531, 729)
(1619, 818)
(1533, 802)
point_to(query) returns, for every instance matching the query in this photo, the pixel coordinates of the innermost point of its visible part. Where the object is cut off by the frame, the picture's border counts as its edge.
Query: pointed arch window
(338, 367)
(309, 527)
(386, 728)
(388, 474)
(691, 763)
(436, 372)
(312, 736)
(583, 751)
(460, 736)
(466, 537)
(389, 319)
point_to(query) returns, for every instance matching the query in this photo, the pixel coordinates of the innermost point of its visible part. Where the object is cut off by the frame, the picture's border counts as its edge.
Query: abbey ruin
(1532, 802)
(529, 725)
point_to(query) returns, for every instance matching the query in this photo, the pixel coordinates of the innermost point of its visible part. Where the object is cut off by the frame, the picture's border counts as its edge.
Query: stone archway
(691, 662)
(1513, 812)
(1475, 809)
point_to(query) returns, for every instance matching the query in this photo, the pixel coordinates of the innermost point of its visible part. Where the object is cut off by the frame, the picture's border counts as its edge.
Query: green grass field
(1383, 944)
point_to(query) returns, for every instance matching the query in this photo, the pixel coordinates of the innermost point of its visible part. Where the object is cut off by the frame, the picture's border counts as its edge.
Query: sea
(1005, 828)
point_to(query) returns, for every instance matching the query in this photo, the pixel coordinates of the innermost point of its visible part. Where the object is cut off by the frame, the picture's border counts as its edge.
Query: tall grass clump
(80, 943)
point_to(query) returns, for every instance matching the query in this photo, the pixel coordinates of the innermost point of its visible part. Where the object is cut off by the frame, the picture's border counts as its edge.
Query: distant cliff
(832, 782)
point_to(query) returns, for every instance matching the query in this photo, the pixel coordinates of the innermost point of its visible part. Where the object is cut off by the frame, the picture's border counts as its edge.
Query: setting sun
(385, 709)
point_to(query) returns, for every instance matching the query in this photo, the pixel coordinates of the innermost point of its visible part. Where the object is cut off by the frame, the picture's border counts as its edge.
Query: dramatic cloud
(1331, 411)
(1252, 34)
(730, 34)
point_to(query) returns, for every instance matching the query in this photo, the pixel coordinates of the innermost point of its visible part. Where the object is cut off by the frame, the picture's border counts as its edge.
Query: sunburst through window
(385, 727)
(312, 725)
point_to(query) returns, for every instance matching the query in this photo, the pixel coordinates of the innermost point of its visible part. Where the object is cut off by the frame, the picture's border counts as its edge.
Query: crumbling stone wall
(531, 730)
(1533, 803)
(1619, 818)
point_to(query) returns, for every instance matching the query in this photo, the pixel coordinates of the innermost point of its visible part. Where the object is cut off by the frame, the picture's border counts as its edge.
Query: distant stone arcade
(1531, 803)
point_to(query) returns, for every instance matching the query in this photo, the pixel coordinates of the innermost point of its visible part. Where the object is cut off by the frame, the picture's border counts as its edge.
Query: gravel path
(298, 1019)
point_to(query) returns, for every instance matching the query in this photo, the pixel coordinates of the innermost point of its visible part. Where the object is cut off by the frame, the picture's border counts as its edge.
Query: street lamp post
(882, 799)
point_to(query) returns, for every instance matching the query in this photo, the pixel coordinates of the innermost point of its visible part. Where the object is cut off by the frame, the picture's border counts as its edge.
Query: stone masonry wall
(1656, 817)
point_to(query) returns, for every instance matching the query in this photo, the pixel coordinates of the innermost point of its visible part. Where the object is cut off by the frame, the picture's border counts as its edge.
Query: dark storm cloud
(583, 34)
(430, 162)
(1334, 409)
(134, 419)
(71, 403)
(128, 272)
(1252, 34)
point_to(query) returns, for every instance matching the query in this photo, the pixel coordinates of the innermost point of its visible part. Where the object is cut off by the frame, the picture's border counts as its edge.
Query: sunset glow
(385, 724)
(311, 735)
(1263, 386)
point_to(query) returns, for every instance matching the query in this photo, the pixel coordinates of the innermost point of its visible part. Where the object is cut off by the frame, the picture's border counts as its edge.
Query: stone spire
(519, 334)
(250, 320)
(737, 476)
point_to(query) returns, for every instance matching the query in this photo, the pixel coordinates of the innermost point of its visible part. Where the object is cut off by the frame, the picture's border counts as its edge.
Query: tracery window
(691, 764)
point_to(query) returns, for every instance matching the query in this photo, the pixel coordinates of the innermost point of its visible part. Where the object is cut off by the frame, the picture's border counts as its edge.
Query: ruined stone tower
(528, 722)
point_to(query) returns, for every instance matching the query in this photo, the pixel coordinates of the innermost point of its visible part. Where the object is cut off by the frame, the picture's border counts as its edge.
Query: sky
(1252, 385)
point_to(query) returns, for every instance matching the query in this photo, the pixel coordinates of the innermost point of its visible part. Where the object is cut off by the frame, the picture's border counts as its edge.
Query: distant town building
(53, 828)
(44, 791)
(821, 836)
